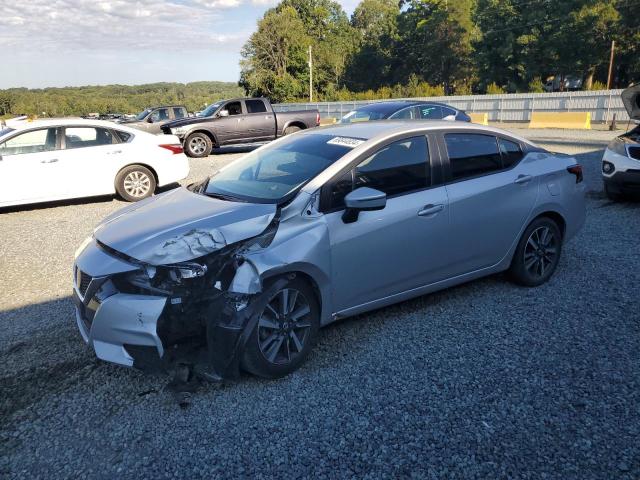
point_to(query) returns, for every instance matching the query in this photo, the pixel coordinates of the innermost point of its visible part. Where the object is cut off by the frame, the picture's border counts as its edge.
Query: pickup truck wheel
(290, 130)
(198, 145)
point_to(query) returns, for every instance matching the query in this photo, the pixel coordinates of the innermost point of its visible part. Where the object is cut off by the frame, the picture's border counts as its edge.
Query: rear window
(255, 106)
(511, 152)
(124, 137)
(472, 154)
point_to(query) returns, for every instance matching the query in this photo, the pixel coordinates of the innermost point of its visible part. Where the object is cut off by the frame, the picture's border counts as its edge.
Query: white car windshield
(275, 173)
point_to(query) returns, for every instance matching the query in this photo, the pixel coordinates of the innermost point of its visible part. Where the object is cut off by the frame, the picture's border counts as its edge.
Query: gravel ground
(485, 380)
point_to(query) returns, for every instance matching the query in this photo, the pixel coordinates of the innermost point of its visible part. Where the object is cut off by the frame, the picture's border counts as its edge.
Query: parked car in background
(621, 158)
(406, 110)
(152, 119)
(242, 269)
(56, 159)
(559, 83)
(238, 121)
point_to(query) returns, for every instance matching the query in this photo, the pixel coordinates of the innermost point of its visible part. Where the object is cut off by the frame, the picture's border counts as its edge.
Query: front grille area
(82, 281)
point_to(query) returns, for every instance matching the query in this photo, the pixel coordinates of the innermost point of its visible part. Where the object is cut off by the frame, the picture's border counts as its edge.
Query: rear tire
(290, 130)
(537, 254)
(198, 145)
(135, 182)
(285, 333)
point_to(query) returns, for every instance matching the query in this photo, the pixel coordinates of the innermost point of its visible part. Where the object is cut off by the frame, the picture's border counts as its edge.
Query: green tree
(376, 25)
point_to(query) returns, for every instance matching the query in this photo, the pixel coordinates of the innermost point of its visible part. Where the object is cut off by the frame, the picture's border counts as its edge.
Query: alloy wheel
(541, 251)
(197, 145)
(137, 184)
(284, 326)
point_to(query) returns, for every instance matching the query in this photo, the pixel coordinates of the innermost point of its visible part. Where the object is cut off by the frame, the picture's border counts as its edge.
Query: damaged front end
(156, 316)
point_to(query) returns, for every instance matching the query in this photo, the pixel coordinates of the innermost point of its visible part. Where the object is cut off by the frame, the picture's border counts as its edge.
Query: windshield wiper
(221, 196)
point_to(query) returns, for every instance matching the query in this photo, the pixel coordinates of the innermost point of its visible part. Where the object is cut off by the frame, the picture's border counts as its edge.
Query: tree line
(392, 49)
(67, 101)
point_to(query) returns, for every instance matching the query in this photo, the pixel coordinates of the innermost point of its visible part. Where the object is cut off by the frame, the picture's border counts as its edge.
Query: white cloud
(108, 25)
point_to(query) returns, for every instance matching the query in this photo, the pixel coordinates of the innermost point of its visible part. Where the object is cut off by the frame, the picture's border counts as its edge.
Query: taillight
(175, 149)
(317, 119)
(577, 171)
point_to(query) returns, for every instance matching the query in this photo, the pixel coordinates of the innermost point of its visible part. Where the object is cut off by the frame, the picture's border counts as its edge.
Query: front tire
(135, 182)
(285, 333)
(537, 254)
(198, 145)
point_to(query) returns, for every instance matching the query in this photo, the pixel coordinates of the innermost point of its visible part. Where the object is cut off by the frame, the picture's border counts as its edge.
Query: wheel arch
(556, 217)
(294, 123)
(208, 133)
(308, 275)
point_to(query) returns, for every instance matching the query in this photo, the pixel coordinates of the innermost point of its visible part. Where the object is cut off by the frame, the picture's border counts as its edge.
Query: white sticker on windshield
(345, 142)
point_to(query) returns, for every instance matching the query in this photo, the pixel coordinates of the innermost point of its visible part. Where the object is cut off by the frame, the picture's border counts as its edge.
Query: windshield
(143, 114)
(363, 115)
(211, 109)
(4, 131)
(274, 173)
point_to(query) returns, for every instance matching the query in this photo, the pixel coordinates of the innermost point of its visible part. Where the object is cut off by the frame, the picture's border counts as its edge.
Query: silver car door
(397, 248)
(490, 198)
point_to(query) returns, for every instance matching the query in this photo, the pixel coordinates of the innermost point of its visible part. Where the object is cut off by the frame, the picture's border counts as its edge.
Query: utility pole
(613, 46)
(310, 76)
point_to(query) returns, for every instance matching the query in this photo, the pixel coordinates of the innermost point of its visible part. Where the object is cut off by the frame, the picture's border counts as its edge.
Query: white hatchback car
(46, 160)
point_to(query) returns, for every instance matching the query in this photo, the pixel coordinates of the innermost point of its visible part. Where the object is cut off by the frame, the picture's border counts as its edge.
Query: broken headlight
(180, 271)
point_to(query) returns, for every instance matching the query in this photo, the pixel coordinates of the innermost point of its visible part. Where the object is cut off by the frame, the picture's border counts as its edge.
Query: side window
(448, 112)
(35, 141)
(405, 113)
(179, 113)
(430, 112)
(123, 136)
(472, 154)
(234, 108)
(511, 152)
(255, 106)
(401, 167)
(82, 137)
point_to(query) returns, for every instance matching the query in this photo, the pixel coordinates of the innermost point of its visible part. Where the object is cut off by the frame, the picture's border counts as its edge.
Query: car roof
(390, 106)
(61, 122)
(385, 128)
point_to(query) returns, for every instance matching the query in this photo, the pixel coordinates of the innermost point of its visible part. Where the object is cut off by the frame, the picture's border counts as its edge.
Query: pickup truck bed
(236, 122)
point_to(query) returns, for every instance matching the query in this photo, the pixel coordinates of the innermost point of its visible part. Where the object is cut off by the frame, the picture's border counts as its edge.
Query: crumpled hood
(631, 101)
(180, 225)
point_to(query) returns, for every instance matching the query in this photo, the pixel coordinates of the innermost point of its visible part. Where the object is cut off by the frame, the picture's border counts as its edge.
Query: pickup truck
(235, 122)
(153, 118)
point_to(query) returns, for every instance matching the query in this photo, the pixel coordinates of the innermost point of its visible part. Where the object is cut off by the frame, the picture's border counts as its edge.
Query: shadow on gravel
(45, 361)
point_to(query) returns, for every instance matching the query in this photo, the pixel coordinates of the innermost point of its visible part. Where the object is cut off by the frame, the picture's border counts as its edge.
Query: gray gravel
(485, 380)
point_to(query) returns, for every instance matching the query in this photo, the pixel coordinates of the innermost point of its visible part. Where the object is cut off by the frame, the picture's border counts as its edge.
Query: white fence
(515, 107)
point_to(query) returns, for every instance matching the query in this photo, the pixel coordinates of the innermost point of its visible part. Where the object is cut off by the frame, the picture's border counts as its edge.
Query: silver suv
(241, 270)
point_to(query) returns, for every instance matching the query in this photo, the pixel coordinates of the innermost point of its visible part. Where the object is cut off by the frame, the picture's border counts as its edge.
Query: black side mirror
(362, 199)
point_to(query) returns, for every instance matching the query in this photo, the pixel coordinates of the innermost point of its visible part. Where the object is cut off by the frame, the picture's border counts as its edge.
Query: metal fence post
(533, 102)
(606, 116)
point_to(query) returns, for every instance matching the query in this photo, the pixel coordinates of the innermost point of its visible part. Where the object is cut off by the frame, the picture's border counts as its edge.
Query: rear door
(259, 123)
(491, 194)
(91, 158)
(400, 247)
(29, 167)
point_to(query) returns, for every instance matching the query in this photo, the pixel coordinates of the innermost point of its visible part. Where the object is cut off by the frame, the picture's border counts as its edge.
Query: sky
(56, 43)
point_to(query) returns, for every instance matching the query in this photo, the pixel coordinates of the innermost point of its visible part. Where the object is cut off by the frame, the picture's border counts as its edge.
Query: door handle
(114, 152)
(430, 209)
(522, 179)
(53, 160)
(240, 120)
(268, 117)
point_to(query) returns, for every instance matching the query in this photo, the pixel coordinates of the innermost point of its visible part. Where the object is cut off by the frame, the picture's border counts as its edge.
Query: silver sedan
(241, 270)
